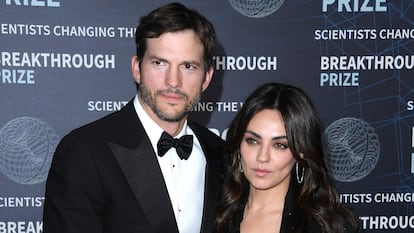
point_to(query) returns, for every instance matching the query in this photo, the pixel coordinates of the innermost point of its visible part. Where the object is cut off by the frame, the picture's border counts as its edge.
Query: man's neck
(171, 127)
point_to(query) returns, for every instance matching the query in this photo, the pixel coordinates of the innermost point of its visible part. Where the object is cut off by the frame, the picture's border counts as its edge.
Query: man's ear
(135, 69)
(208, 78)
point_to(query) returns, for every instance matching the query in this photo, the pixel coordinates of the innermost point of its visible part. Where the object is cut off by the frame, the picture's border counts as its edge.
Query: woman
(276, 179)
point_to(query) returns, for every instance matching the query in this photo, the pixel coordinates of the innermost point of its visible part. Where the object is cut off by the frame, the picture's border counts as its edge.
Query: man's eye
(157, 62)
(190, 67)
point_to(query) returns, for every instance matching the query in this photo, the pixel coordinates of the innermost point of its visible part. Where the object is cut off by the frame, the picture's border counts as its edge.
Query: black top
(294, 219)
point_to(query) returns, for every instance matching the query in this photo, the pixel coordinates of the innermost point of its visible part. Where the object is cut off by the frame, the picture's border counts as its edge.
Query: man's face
(172, 75)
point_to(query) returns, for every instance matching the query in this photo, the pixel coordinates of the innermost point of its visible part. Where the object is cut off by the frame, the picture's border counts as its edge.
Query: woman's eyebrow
(258, 136)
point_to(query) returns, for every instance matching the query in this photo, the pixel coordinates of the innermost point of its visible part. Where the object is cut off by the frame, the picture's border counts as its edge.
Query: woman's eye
(281, 145)
(251, 141)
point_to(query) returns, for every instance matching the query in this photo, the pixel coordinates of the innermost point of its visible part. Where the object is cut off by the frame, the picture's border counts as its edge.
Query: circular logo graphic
(352, 149)
(256, 8)
(26, 150)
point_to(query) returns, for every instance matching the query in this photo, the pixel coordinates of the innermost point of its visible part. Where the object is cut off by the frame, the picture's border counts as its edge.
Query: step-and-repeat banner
(66, 63)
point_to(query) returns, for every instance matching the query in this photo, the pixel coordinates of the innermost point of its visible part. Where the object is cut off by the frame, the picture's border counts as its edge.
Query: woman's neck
(265, 200)
(263, 211)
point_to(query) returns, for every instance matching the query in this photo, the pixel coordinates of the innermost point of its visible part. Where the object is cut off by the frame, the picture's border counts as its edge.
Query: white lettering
(204, 107)
(17, 76)
(367, 62)
(17, 202)
(21, 227)
(44, 3)
(339, 79)
(105, 106)
(228, 106)
(245, 63)
(387, 222)
(59, 60)
(355, 5)
(84, 31)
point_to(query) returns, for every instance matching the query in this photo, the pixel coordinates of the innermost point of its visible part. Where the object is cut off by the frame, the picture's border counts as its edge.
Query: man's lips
(172, 97)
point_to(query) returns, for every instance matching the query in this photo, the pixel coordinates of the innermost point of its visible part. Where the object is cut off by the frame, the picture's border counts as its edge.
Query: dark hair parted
(318, 197)
(175, 17)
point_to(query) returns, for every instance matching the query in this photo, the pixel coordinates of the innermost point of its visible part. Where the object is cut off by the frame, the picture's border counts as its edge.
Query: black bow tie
(183, 145)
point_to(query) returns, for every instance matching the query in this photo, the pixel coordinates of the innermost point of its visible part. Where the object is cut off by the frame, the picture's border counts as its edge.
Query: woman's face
(266, 158)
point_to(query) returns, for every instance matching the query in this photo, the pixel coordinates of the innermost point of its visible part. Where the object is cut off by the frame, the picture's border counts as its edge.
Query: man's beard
(150, 100)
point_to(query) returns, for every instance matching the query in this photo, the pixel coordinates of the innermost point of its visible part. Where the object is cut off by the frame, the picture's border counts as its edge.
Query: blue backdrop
(66, 63)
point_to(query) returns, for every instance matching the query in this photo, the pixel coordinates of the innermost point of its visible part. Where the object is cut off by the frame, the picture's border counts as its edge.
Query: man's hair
(175, 17)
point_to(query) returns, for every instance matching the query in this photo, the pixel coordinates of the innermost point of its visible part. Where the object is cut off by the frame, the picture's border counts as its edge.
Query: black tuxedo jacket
(105, 178)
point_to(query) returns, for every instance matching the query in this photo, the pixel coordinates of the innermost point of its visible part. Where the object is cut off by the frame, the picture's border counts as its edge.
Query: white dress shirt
(184, 178)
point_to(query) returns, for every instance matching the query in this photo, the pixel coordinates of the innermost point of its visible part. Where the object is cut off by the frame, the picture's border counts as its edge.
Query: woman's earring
(240, 168)
(299, 179)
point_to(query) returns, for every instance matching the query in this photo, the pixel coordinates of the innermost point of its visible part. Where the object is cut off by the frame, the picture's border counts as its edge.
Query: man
(110, 176)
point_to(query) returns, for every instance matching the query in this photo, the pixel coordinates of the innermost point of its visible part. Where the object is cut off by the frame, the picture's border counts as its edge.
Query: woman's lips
(261, 172)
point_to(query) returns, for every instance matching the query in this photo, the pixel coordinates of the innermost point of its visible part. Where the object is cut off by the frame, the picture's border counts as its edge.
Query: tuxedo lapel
(213, 153)
(141, 169)
(209, 198)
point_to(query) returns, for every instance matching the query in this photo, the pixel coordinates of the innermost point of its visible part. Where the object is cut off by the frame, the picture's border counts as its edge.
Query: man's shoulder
(100, 124)
(204, 132)
(106, 125)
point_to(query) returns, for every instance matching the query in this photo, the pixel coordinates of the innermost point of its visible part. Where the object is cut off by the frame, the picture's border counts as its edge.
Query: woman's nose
(263, 155)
